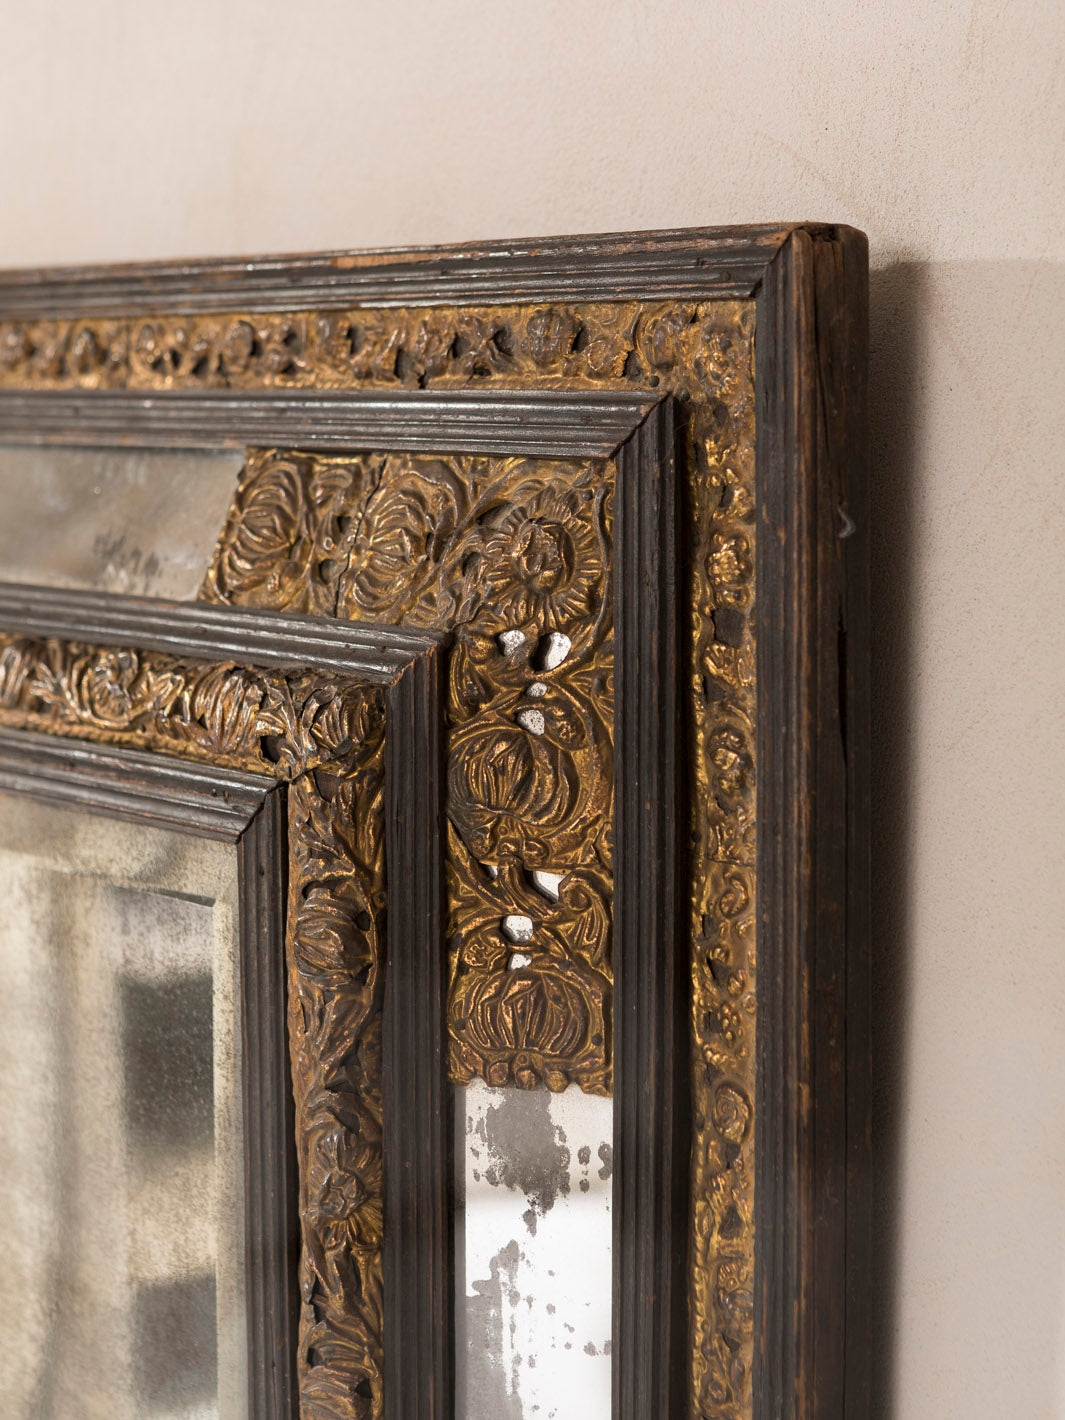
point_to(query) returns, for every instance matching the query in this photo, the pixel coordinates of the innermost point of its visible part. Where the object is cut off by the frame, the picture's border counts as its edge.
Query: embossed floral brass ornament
(755, 339)
(447, 544)
(503, 553)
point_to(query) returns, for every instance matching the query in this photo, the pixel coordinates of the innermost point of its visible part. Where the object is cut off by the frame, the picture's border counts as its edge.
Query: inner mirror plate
(121, 1215)
(113, 520)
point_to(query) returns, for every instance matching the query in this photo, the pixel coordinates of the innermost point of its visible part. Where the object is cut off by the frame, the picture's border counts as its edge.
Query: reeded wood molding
(813, 1149)
(248, 636)
(652, 1123)
(696, 264)
(270, 1169)
(535, 422)
(208, 801)
(418, 1257)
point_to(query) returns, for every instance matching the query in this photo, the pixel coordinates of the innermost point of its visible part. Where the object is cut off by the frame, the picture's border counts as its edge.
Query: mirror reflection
(533, 1253)
(120, 1209)
(137, 521)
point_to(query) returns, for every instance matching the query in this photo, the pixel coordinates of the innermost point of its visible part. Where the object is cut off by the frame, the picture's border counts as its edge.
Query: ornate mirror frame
(625, 475)
(314, 748)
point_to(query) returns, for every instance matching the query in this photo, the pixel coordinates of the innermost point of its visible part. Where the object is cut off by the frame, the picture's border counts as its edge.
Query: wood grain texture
(813, 1149)
(418, 1257)
(694, 263)
(652, 1117)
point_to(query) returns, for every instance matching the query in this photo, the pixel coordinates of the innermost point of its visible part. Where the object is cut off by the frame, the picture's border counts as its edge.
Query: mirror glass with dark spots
(532, 1244)
(136, 521)
(121, 1289)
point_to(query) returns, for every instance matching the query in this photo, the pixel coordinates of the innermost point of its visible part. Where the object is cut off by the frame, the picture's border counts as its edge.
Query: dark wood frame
(814, 1151)
(813, 1148)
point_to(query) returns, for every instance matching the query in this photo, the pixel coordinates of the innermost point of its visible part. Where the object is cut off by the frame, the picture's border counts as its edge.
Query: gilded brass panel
(513, 555)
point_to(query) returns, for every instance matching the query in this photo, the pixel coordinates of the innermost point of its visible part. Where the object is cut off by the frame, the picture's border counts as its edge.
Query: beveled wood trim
(276, 640)
(167, 793)
(270, 1169)
(418, 1253)
(535, 422)
(652, 1123)
(813, 1153)
(693, 263)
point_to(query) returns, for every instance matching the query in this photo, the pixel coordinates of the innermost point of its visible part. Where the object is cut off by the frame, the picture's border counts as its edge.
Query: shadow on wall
(894, 313)
(968, 554)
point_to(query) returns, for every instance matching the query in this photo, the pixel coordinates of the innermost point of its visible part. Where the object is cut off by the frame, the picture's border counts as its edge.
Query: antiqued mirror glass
(142, 521)
(121, 1216)
(532, 1244)
(602, 555)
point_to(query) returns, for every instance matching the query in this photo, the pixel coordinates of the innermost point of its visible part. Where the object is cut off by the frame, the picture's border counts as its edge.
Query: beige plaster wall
(130, 130)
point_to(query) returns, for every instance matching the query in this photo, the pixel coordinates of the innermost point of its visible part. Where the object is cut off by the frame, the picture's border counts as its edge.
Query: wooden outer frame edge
(246, 809)
(417, 1104)
(129, 784)
(536, 422)
(652, 1125)
(270, 1169)
(694, 263)
(813, 1148)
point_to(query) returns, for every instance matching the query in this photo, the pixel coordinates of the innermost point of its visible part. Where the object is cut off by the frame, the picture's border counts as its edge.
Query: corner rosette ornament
(347, 1209)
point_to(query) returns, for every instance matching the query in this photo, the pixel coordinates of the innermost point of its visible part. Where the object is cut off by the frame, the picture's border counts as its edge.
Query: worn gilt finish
(325, 739)
(489, 546)
(513, 555)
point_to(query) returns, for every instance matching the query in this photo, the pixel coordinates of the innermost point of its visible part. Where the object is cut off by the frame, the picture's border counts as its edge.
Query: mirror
(121, 1210)
(533, 1253)
(140, 521)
